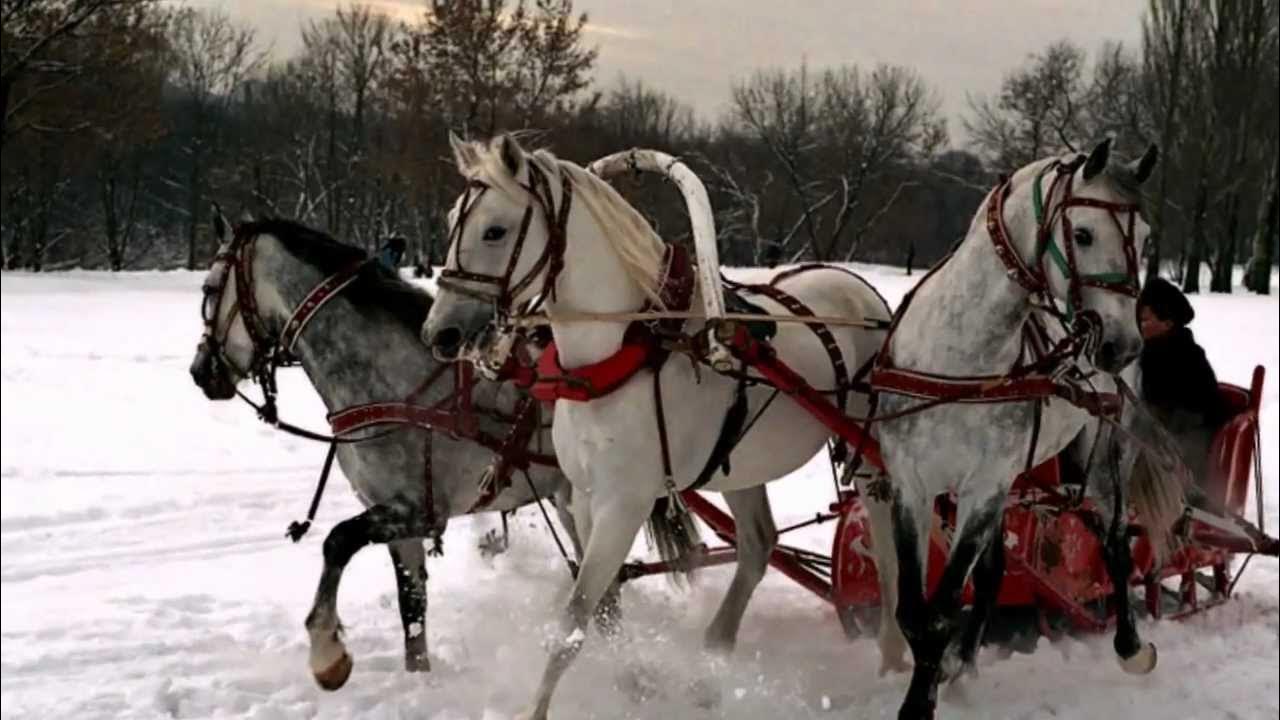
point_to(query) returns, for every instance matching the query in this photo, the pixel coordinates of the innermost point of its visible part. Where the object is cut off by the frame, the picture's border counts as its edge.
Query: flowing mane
(375, 287)
(628, 233)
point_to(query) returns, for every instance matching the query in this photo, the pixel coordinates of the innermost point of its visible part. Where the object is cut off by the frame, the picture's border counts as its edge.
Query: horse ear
(1097, 161)
(512, 154)
(219, 224)
(464, 153)
(1142, 167)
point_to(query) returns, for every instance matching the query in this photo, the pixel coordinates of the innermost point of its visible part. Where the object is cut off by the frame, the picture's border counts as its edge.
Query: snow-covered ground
(145, 573)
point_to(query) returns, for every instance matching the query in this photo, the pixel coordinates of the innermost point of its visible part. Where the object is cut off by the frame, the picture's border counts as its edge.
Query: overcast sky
(693, 49)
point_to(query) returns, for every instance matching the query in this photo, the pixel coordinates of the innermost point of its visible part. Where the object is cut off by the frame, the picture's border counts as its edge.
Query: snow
(145, 571)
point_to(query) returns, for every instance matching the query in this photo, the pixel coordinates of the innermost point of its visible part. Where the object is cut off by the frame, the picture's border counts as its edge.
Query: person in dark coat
(1178, 385)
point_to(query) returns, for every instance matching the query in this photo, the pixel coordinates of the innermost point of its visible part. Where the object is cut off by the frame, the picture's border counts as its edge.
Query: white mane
(628, 233)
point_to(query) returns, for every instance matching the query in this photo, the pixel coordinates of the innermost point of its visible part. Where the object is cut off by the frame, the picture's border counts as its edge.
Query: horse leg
(609, 615)
(987, 576)
(936, 632)
(911, 521)
(409, 560)
(756, 538)
(615, 521)
(876, 494)
(1136, 657)
(329, 660)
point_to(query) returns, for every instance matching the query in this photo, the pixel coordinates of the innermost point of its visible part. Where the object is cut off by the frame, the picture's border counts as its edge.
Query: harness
(1043, 369)
(455, 414)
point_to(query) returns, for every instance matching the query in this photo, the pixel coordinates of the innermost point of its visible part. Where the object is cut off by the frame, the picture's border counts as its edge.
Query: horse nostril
(447, 342)
(1108, 350)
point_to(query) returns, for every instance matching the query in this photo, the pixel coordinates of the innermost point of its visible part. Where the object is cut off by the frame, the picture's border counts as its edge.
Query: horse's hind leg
(876, 494)
(409, 561)
(756, 538)
(329, 660)
(1136, 657)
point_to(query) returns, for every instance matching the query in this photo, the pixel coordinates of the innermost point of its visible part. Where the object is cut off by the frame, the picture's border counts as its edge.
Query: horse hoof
(335, 676)
(417, 663)
(1141, 662)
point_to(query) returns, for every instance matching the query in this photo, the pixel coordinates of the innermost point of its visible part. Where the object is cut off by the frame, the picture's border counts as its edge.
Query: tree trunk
(193, 206)
(1158, 226)
(1258, 272)
(1191, 278)
(111, 225)
(1225, 266)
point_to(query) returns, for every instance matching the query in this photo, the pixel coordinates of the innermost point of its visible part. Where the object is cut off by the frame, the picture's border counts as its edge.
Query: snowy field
(145, 573)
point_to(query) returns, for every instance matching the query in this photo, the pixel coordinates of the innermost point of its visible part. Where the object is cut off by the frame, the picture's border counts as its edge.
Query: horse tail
(1157, 491)
(674, 533)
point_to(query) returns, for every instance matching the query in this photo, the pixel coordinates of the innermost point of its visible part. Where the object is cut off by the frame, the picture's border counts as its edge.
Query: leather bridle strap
(503, 293)
(321, 294)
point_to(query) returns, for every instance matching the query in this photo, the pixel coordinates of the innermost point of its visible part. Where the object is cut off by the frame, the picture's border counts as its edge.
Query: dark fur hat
(1167, 301)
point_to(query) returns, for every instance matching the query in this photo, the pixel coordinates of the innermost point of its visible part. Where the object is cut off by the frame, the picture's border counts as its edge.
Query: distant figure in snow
(422, 269)
(1178, 384)
(392, 252)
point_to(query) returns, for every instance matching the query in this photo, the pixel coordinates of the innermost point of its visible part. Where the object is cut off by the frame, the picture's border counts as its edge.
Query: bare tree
(832, 140)
(553, 66)
(1258, 270)
(1164, 42)
(212, 56)
(1038, 110)
(50, 44)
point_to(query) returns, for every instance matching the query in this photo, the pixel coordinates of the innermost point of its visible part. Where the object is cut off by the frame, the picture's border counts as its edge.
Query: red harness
(641, 346)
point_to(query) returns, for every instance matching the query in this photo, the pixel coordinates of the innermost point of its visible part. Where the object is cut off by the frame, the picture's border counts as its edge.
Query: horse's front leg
(933, 628)
(409, 561)
(329, 660)
(877, 497)
(615, 520)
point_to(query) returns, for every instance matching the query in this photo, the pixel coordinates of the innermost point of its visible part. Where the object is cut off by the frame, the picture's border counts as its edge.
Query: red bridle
(237, 261)
(1034, 277)
(499, 288)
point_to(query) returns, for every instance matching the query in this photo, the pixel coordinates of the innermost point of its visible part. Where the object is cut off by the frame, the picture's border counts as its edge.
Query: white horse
(1055, 245)
(513, 242)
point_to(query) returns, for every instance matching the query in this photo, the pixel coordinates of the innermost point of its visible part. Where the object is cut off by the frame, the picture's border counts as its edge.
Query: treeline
(125, 119)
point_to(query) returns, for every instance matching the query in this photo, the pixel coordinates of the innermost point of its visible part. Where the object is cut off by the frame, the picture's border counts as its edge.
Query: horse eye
(1083, 237)
(494, 233)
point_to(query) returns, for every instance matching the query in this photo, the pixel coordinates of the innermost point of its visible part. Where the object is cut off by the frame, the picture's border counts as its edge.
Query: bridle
(269, 351)
(1044, 368)
(1034, 277)
(499, 289)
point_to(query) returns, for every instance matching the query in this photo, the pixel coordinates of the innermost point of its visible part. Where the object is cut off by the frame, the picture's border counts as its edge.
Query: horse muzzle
(1115, 355)
(450, 332)
(211, 376)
